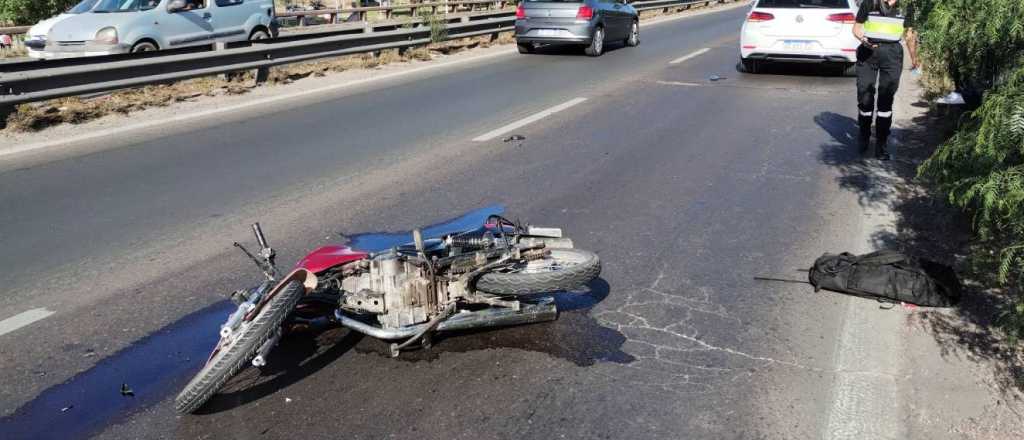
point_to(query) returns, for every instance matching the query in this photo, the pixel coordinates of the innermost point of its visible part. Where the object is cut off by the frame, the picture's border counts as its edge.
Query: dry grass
(75, 110)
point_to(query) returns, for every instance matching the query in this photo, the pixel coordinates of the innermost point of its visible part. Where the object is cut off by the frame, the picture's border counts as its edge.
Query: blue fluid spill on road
(379, 241)
(153, 367)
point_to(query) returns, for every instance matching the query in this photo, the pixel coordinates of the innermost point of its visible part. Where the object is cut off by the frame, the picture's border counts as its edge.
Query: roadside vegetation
(977, 47)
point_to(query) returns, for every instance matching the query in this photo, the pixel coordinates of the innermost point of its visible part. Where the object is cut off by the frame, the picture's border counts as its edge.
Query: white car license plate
(798, 44)
(547, 32)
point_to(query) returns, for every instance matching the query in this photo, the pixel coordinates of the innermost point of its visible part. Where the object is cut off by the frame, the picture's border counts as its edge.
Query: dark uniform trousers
(881, 67)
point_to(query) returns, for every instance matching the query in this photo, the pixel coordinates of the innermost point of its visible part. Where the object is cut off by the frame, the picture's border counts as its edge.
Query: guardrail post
(5, 112)
(262, 74)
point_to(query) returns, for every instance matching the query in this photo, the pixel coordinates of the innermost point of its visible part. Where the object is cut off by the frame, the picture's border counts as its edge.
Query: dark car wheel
(525, 47)
(596, 47)
(751, 66)
(144, 46)
(634, 35)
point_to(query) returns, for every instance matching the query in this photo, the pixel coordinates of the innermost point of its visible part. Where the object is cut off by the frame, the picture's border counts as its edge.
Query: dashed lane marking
(527, 120)
(22, 319)
(690, 56)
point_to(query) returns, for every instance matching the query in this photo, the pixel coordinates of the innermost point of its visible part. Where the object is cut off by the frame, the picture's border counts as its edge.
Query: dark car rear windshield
(842, 4)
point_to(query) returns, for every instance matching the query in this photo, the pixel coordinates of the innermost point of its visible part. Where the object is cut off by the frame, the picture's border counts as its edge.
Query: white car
(35, 38)
(123, 26)
(801, 31)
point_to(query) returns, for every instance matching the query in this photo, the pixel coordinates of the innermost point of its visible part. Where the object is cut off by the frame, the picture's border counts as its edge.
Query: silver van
(123, 26)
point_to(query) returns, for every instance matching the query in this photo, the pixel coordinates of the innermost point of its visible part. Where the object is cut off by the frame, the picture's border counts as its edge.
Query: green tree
(26, 12)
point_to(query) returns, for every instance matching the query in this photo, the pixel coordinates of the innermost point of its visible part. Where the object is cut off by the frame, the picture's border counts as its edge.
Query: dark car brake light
(520, 12)
(585, 13)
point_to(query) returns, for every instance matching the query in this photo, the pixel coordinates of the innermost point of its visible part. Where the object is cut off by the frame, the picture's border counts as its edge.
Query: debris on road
(126, 391)
(515, 137)
(716, 78)
(66, 408)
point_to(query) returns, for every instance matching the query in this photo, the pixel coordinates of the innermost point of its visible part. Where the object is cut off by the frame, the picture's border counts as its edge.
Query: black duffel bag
(887, 275)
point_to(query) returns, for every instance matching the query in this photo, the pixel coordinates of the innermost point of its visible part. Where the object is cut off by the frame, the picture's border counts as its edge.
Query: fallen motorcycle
(495, 275)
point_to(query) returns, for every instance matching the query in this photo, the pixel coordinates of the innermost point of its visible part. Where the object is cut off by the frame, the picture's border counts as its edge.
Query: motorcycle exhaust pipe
(528, 314)
(261, 355)
(236, 319)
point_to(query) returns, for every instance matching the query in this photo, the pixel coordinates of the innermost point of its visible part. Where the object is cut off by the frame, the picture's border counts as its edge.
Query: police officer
(880, 26)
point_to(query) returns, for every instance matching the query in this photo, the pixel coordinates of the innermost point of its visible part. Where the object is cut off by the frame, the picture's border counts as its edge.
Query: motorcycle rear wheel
(566, 269)
(228, 361)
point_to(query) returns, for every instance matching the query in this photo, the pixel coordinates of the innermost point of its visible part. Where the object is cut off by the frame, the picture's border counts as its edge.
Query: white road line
(691, 55)
(680, 83)
(22, 319)
(527, 120)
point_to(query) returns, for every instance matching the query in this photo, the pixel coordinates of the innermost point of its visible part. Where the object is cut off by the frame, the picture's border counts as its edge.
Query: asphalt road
(687, 187)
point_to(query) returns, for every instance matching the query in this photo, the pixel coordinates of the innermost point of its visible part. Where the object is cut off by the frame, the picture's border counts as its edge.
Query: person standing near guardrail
(881, 26)
(6, 41)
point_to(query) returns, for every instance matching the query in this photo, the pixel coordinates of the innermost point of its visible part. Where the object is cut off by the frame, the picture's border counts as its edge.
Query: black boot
(882, 149)
(882, 137)
(864, 139)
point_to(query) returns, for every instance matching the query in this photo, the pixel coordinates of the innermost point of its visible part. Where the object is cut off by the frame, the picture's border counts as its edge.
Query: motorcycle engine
(398, 292)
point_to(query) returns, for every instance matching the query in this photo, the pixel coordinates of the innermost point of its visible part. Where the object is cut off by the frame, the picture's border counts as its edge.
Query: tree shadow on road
(926, 226)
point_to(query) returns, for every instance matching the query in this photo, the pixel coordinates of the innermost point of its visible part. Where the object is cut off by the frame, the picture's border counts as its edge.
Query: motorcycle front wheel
(563, 269)
(230, 359)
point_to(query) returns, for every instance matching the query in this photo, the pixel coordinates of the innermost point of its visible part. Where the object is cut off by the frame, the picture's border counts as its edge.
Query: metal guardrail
(40, 80)
(42, 84)
(670, 4)
(25, 64)
(360, 13)
(14, 30)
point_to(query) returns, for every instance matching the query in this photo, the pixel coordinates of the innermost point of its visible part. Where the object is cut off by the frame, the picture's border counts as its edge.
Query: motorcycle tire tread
(517, 284)
(209, 380)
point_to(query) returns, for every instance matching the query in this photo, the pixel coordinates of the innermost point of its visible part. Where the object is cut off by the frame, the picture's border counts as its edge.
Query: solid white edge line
(22, 319)
(694, 54)
(527, 120)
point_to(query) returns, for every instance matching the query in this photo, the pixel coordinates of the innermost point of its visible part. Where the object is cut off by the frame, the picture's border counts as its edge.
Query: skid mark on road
(153, 367)
(23, 319)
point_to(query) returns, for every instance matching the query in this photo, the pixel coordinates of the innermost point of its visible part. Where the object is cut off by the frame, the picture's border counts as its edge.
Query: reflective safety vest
(880, 28)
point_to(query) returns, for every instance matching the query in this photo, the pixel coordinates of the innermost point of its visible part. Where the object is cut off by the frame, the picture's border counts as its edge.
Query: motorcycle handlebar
(259, 235)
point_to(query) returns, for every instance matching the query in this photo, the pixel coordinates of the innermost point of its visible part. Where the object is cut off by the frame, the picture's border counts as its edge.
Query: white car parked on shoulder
(104, 27)
(800, 31)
